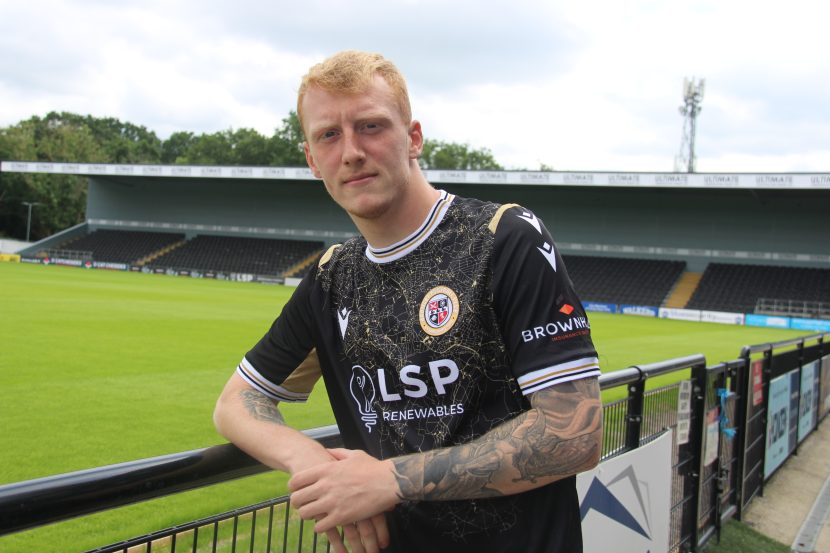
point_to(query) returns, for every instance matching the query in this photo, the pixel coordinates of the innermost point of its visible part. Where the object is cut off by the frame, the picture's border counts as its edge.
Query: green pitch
(101, 367)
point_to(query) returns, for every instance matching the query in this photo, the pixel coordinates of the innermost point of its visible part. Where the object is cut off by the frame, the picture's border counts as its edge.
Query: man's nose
(352, 149)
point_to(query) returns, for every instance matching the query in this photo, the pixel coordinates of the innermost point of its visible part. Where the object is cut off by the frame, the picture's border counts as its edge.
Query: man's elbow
(220, 415)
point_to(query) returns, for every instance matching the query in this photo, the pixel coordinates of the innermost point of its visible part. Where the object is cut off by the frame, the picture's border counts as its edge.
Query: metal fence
(717, 415)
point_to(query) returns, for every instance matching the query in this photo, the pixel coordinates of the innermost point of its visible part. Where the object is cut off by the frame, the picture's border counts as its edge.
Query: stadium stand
(623, 280)
(738, 288)
(122, 246)
(259, 256)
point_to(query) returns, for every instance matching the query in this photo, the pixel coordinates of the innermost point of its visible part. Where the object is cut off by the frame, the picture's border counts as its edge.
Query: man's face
(361, 147)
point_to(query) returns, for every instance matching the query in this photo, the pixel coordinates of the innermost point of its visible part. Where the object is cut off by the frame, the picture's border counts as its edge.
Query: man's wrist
(409, 477)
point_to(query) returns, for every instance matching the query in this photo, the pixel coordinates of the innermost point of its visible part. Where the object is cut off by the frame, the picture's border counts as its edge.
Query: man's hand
(252, 421)
(356, 487)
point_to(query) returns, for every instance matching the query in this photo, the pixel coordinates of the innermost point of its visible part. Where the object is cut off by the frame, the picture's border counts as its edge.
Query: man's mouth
(358, 179)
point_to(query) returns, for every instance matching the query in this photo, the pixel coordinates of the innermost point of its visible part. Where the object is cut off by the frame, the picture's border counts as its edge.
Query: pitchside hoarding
(766, 321)
(625, 502)
(808, 402)
(782, 417)
(599, 307)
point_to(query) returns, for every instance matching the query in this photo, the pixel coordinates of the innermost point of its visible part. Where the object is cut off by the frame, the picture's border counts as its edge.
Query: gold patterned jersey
(432, 342)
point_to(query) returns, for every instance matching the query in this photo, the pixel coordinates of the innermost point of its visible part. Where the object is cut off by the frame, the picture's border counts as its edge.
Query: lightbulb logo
(363, 393)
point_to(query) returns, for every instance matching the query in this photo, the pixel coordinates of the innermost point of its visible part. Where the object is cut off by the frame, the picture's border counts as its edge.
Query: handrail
(671, 365)
(761, 348)
(32, 503)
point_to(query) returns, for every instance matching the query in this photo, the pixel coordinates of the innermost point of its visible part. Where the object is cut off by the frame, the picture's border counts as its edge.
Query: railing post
(634, 413)
(699, 382)
(767, 378)
(800, 376)
(742, 386)
(822, 348)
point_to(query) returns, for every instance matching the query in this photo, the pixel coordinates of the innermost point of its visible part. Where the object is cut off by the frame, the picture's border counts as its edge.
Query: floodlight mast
(29, 219)
(692, 98)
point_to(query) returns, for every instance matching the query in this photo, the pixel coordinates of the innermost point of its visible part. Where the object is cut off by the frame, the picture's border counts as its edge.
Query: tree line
(71, 138)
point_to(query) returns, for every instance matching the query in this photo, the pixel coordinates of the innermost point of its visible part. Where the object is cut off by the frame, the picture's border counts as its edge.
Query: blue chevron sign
(625, 502)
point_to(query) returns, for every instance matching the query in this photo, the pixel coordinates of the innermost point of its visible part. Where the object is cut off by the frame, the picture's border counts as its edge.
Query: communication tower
(692, 98)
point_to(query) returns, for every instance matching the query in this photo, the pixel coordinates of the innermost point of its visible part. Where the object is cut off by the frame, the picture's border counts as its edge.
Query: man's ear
(310, 160)
(416, 139)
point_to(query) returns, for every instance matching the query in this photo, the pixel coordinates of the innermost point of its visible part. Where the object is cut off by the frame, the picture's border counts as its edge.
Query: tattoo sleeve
(559, 436)
(261, 407)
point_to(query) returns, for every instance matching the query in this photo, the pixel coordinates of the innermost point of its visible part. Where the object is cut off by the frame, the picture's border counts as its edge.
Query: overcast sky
(576, 85)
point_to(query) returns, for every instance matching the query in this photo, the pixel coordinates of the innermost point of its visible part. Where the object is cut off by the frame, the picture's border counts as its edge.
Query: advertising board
(766, 321)
(778, 422)
(625, 502)
(599, 307)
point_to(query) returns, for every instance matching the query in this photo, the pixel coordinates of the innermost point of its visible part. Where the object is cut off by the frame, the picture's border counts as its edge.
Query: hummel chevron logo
(550, 255)
(531, 218)
(343, 319)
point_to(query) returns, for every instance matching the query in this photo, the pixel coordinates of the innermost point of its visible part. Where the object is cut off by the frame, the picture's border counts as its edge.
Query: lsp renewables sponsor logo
(412, 383)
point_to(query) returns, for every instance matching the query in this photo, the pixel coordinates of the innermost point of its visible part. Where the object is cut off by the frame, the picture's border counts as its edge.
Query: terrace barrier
(733, 425)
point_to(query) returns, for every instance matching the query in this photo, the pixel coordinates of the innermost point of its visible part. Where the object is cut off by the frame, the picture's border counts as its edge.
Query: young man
(456, 355)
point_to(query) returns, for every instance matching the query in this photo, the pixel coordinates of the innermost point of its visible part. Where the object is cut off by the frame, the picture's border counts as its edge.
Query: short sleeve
(542, 320)
(283, 364)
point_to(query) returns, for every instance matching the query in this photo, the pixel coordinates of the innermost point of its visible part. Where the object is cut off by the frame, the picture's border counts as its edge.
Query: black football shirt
(433, 342)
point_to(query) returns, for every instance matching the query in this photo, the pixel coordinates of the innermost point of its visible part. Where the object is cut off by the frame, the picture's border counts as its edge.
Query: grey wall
(230, 203)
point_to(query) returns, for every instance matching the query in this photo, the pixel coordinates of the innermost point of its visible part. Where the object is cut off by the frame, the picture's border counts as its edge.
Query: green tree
(287, 143)
(121, 142)
(438, 154)
(175, 147)
(61, 198)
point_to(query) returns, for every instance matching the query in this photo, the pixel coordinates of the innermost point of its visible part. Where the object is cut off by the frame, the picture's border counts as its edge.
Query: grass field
(101, 367)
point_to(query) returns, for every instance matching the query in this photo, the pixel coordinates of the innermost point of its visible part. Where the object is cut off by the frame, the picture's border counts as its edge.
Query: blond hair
(352, 72)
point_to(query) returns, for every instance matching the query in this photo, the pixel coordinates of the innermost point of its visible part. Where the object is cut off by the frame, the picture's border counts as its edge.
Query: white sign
(625, 502)
(722, 317)
(684, 409)
(679, 314)
(712, 440)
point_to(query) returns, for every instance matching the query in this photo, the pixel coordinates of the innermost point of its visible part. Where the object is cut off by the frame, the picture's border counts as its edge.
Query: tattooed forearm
(261, 407)
(560, 436)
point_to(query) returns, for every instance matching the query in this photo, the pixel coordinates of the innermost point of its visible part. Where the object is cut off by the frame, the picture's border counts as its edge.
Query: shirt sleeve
(283, 365)
(542, 320)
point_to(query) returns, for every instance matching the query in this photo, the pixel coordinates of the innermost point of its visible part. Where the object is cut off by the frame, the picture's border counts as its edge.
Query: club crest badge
(439, 310)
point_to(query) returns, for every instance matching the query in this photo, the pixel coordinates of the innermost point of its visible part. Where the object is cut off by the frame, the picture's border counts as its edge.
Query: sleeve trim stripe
(567, 378)
(252, 377)
(557, 371)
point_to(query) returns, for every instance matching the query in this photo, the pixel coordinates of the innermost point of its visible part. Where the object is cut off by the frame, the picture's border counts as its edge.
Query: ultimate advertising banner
(625, 502)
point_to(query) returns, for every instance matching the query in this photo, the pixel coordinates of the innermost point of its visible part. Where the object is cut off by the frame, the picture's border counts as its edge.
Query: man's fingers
(352, 536)
(339, 453)
(336, 541)
(368, 536)
(301, 479)
(381, 530)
